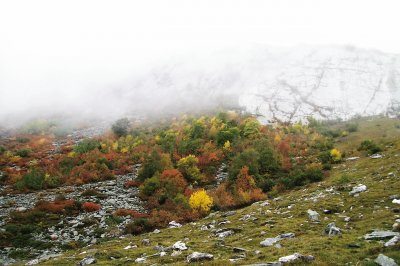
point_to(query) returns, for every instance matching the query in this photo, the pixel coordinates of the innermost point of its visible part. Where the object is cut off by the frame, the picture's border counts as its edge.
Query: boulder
(198, 256)
(32, 262)
(174, 224)
(393, 241)
(358, 189)
(225, 233)
(385, 261)
(270, 241)
(313, 216)
(87, 261)
(332, 230)
(179, 246)
(140, 260)
(146, 242)
(380, 235)
(295, 257)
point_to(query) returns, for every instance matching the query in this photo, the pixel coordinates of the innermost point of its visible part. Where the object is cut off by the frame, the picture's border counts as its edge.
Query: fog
(108, 59)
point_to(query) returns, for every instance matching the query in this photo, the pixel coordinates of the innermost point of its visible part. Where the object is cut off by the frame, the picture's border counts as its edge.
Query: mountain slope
(355, 214)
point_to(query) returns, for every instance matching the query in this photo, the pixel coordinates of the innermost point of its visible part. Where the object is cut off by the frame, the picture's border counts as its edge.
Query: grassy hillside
(372, 209)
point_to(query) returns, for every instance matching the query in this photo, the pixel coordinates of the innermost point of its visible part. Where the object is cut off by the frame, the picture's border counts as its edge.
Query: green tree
(120, 127)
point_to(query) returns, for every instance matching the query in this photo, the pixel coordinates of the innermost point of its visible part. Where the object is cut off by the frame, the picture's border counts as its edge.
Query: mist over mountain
(285, 84)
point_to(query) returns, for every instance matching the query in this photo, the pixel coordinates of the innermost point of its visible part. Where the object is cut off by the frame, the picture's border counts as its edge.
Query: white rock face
(281, 84)
(327, 83)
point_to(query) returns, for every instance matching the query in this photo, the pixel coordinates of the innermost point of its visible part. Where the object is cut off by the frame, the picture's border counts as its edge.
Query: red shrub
(128, 212)
(91, 206)
(56, 206)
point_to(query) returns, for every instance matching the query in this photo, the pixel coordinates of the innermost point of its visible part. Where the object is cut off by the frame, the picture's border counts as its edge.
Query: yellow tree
(200, 201)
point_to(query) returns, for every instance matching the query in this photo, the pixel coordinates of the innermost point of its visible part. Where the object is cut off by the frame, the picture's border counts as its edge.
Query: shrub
(132, 183)
(173, 181)
(151, 165)
(2, 149)
(93, 193)
(150, 186)
(336, 155)
(31, 180)
(188, 167)
(91, 206)
(128, 212)
(162, 218)
(369, 146)
(222, 198)
(60, 206)
(351, 127)
(23, 153)
(87, 145)
(120, 127)
(200, 201)
(138, 226)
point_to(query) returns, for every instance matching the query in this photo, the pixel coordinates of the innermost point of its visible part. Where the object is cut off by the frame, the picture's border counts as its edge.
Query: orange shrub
(173, 181)
(162, 218)
(222, 198)
(132, 183)
(91, 206)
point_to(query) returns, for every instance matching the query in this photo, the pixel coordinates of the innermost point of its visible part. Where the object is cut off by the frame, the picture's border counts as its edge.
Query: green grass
(371, 210)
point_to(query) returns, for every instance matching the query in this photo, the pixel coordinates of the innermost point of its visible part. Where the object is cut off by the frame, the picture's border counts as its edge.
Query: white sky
(68, 46)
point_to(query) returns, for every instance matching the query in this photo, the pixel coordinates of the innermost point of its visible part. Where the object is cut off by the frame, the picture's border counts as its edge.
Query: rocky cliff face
(327, 83)
(282, 84)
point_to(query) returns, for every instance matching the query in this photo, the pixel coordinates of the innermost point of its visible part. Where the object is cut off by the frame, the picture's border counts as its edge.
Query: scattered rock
(225, 233)
(146, 242)
(156, 231)
(87, 261)
(140, 260)
(354, 245)
(176, 253)
(396, 201)
(313, 216)
(21, 209)
(393, 241)
(352, 158)
(358, 189)
(32, 262)
(179, 246)
(380, 235)
(130, 246)
(198, 256)
(271, 241)
(376, 156)
(385, 261)
(294, 257)
(331, 229)
(228, 213)
(174, 224)
(239, 250)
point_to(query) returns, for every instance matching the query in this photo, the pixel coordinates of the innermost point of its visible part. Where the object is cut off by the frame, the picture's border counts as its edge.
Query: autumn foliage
(91, 206)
